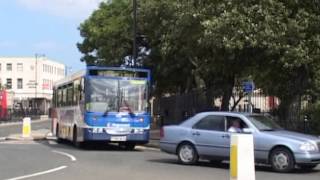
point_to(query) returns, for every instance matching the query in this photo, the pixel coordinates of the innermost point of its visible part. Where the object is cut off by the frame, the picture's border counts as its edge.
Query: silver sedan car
(206, 136)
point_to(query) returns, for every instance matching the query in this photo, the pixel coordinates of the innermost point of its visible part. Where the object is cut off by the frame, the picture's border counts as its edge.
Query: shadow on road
(88, 146)
(225, 166)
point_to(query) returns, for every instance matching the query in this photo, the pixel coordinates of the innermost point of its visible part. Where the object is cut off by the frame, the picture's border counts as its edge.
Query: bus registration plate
(118, 138)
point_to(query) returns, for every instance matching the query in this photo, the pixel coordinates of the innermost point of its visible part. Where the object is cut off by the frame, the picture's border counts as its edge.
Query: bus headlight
(307, 146)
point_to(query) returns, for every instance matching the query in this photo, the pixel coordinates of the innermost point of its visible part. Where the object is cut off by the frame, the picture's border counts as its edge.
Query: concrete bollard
(242, 157)
(26, 127)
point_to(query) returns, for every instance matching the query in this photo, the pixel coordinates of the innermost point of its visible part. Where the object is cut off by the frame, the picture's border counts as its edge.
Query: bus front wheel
(58, 134)
(128, 146)
(75, 141)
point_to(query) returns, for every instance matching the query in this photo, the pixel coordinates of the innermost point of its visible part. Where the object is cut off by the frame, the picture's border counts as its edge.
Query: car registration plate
(118, 138)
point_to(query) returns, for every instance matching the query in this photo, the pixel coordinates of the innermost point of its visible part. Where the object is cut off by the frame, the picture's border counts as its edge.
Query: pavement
(35, 135)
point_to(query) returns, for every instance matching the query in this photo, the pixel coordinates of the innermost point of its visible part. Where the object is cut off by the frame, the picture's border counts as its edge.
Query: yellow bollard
(26, 127)
(242, 157)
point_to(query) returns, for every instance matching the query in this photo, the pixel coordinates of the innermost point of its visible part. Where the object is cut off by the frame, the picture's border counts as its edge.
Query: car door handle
(196, 133)
(226, 136)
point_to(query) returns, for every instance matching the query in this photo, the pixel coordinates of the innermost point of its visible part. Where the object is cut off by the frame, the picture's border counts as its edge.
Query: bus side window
(64, 96)
(59, 99)
(69, 98)
(81, 90)
(76, 91)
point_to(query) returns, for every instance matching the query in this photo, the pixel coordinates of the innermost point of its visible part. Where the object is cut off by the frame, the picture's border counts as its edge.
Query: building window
(0, 66)
(9, 83)
(19, 67)
(19, 83)
(9, 67)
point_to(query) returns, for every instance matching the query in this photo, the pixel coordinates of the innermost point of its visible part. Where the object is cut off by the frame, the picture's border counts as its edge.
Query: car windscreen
(263, 123)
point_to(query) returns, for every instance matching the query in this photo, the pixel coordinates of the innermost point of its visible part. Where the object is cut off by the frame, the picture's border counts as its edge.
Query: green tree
(107, 34)
(213, 44)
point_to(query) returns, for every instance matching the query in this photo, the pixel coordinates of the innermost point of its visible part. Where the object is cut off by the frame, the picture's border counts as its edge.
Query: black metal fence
(177, 108)
(18, 115)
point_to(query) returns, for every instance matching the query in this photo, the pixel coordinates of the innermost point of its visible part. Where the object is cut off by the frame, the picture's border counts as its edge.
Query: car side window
(231, 120)
(211, 122)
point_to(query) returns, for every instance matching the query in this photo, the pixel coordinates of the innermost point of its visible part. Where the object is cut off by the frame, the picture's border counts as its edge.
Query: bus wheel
(128, 146)
(58, 134)
(75, 141)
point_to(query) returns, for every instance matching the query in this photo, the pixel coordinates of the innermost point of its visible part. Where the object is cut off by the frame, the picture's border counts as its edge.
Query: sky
(46, 27)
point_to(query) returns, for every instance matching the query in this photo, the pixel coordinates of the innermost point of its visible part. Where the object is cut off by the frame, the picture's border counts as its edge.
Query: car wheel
(187, 154)
(307, 167)
(282, 160)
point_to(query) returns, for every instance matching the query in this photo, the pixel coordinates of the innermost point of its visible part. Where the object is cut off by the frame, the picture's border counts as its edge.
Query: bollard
(242, 157)
(26, 127)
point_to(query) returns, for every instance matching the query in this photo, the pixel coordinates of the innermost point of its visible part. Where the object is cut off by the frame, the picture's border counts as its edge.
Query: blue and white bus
(103, 104)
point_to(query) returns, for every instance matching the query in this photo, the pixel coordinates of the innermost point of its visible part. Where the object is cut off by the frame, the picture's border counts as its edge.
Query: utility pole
(36, 78)
(134, 32)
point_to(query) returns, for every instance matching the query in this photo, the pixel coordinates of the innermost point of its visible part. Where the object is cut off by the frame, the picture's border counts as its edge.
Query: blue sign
(248, 86)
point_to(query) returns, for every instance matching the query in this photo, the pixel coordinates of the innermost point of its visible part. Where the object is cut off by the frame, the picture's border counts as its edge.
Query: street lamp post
(134, 32)
(36, 78)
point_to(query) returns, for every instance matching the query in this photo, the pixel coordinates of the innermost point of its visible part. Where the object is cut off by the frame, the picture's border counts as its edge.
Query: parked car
(206, 136)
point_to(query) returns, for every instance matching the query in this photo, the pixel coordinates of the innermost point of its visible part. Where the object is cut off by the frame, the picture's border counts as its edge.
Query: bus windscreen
(111, 95)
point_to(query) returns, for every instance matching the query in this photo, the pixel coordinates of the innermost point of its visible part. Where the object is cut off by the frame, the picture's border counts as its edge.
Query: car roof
(226, 113)
(191, 121)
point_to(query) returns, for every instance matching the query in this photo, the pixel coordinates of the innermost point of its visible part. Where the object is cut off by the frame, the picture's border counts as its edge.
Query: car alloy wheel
(187, 154)
(282, 160)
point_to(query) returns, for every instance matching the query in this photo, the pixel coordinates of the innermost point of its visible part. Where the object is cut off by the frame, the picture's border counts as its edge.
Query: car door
(227, 135)
(208, 135)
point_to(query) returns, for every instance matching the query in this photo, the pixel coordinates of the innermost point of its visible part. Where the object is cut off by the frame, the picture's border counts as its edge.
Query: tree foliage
(213, 44)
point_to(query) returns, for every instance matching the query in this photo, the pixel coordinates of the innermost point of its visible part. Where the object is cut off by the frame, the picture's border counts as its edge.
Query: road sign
(248, 86)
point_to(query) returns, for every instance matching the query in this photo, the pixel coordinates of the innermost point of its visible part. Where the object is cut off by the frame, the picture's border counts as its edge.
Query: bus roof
(82, 73)
(118, 68)
(71, 77)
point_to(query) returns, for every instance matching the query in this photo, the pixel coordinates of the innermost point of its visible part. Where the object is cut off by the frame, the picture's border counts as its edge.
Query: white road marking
(2, 138)
(65, 154)
(39, 173)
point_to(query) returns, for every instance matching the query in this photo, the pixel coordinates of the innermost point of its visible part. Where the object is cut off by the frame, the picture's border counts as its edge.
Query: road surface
(49, 160)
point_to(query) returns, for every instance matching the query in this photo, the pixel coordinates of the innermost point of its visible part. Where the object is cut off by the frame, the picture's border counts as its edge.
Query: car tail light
(161, 132)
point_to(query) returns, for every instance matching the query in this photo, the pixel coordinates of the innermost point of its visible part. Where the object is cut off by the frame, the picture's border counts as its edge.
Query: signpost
(248, 87)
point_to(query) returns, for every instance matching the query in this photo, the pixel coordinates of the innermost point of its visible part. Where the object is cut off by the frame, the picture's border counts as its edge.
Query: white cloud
(74, 9)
